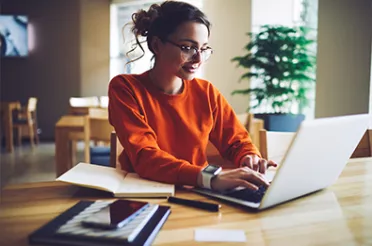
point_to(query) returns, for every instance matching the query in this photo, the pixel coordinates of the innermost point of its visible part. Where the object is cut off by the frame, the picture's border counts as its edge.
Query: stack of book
(67, 229)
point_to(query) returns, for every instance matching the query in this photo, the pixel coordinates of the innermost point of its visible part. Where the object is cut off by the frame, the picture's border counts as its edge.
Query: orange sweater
(165, 136)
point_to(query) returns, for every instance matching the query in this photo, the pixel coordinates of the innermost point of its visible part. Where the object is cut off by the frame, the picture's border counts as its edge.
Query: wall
(94, 47)
(343, 57)
(370, 86)
(57, 67)
(231, 20)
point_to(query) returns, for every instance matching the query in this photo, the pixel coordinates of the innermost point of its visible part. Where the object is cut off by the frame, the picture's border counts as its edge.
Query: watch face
(211, 169)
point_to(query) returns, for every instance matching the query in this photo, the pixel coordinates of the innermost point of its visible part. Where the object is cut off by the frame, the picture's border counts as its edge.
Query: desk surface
(75, 120)
(339, 215)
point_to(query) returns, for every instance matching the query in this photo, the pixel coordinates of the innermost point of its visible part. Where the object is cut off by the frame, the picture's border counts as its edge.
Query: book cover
(118, 182)
(48, 234)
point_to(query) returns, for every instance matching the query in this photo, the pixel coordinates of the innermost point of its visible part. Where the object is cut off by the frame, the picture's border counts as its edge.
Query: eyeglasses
(189, 53)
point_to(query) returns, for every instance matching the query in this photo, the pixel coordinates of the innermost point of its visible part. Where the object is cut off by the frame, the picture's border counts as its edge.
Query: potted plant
(281, 71)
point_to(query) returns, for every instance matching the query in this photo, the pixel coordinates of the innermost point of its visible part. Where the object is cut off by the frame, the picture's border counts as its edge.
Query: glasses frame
(197, 51)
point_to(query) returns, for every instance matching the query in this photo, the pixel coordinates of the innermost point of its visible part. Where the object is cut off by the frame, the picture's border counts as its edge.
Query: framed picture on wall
(13, 36)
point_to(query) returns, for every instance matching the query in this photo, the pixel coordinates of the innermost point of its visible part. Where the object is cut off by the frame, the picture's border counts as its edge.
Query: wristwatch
(208, 173)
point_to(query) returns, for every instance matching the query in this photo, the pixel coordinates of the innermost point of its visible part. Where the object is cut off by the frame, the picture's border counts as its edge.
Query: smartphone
(115, 215)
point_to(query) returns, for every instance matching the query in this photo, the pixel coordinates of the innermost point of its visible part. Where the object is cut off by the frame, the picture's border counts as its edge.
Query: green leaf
(278, 58)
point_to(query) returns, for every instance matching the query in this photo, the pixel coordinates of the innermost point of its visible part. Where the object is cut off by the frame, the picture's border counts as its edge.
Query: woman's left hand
(256, 163)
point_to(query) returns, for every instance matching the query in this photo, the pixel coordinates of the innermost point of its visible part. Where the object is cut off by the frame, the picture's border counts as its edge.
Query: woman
(165, 116)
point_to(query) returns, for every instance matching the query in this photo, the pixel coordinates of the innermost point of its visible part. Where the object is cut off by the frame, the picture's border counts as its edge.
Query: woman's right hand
(244, 177)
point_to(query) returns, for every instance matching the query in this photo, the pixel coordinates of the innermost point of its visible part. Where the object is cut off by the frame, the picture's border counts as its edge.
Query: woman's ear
(155, 45)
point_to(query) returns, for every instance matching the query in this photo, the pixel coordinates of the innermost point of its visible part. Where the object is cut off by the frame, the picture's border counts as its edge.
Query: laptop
(314, 160)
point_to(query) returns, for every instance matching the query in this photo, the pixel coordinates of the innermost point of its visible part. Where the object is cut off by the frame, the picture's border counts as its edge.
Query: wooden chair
(26, 121)
(246, 119)
(100, 132)
(364, 148)
(253, 126)
(273, 145)
(97, 128)
(115, 149)
(98, 113)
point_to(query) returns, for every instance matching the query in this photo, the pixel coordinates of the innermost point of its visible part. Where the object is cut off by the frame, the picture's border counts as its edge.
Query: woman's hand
(242, 176)
(256, 163)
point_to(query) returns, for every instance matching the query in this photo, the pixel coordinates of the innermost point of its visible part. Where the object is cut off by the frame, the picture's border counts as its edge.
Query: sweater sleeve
(139, 139)
(228, 135)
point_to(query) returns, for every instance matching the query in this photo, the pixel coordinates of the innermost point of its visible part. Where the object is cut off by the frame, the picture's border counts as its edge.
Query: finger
(271, 163)
(262, 163)
(248, 162)
(256, 178)
(256, 159)
(244, 183)
(255, 162)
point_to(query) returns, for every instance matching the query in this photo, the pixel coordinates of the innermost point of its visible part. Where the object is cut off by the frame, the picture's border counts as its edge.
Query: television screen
(13, 36)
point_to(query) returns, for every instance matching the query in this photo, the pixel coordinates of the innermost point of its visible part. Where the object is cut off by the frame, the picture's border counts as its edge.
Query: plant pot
(281, 122)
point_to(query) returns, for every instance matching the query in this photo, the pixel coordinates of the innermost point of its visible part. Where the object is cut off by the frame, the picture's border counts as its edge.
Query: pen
(213, 207)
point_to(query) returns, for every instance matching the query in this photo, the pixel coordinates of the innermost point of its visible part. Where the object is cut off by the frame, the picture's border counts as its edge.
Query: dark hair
(162, 20)
(3, 45)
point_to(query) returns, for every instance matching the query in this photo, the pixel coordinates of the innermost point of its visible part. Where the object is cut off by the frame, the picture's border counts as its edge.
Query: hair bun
(142, 20)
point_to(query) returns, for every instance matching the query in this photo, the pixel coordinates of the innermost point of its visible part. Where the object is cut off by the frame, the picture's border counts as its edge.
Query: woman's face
(184, 50)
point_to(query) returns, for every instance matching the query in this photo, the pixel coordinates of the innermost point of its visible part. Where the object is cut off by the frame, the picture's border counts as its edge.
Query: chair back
(98, 113)
(364, 147)
(84, 101)
(253, 126)
(99, 125)
(274, 145)
(100, 130)
(245, 119)
(115, 150)
(31, 105)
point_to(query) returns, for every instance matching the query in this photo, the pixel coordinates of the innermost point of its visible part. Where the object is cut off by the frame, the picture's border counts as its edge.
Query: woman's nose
(197, 57)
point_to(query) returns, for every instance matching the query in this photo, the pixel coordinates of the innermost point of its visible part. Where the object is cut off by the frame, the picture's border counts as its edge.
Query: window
(288, 13)
(122, 39)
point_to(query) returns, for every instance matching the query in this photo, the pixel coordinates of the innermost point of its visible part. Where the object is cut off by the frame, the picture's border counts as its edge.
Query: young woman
(165, 117)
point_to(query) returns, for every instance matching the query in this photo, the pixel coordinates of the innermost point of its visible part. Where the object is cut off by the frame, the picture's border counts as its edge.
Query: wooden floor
(27, 165)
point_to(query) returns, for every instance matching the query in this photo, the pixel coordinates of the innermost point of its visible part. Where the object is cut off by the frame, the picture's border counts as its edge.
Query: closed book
(118, 182)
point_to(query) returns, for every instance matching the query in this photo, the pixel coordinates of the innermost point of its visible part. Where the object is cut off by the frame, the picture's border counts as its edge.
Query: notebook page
(94, 176)
(135, 186)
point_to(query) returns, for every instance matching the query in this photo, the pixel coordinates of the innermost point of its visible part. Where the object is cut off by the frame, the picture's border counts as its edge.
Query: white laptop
(314, 160)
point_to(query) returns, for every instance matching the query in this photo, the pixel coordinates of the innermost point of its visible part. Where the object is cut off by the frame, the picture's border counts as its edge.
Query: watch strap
(207, 178)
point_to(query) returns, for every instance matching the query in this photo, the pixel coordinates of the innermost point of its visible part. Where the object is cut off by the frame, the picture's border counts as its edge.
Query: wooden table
(6, 109)
(68, 128)
(338, 215)
(85, 110)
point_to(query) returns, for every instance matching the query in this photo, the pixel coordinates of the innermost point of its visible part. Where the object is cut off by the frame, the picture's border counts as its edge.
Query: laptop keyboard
(247, 194)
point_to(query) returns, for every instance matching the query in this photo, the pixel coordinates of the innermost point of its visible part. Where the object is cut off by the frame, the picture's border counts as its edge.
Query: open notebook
(120, 183)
